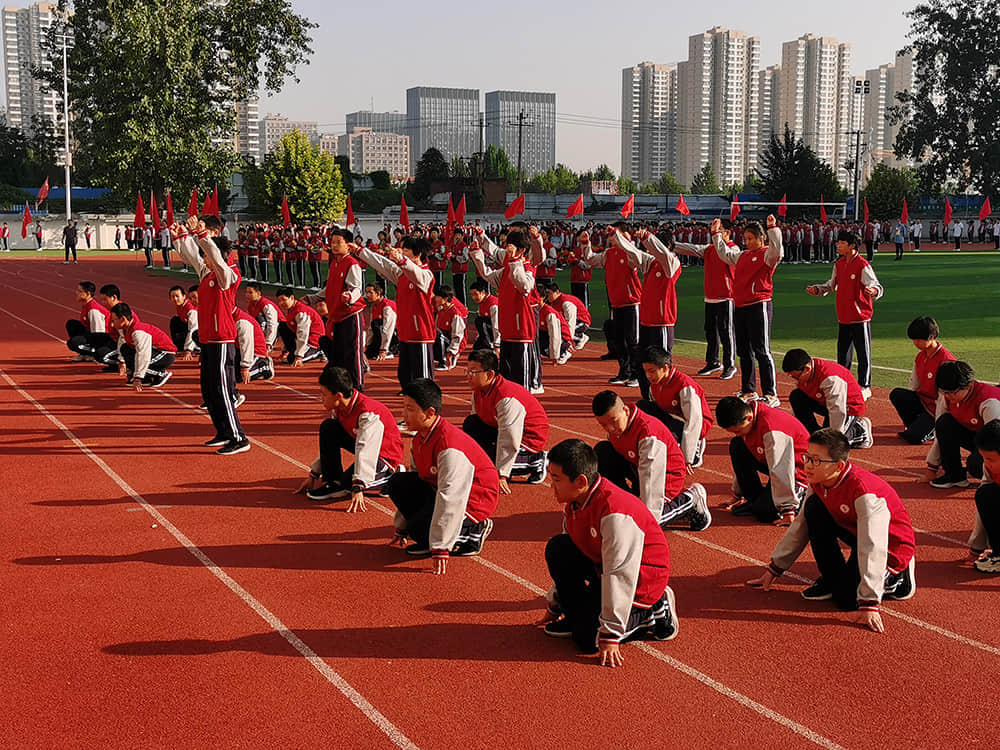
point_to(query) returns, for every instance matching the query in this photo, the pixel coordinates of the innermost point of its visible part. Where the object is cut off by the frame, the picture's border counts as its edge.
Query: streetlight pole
(68, 158)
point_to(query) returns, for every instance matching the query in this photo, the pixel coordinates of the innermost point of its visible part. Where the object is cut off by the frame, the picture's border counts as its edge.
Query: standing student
(573, 310)
(508, 422)
(145, 351)
(208, 253)
(829, 390)
(850, 505)
(344, 342)
(580, 272)
(446, 503)
(381, 340)
(301, 331)
(857, 287)
(38, 237)
(254, 362)
(406, 267)
(118, 238)
(184, 323)
(677, 400)
(899, 238)
(487, 316)
(5, 238)
(264, 311)
(359, 425)
(451, 321)
(91, 332)
(147, 245)
(69, 241)
(437, 258)
(459, 266)
(610, 566)
(165, 245)
(917, 404)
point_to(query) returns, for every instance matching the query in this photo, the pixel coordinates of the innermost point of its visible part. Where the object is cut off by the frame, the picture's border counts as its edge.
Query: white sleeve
(662, 253)
(95, 321)
(521, 277)
(775, 247)
(143, 353)
(873, 545)
(569, 312)
(270, 325)
(455, 477)
(382, 265)
(686, 248)
(479, 261)
(868, 278)
(834, 388)
(594, 260)
(388, 327)
(621, 557)
(192, 327)
(303, 324)
(510, 432)
(422, 277)
(555, 336)
(457, 334)
(495, 321)
(367, 448)
(188, 251)
(989, 410)
(652, 474)
(690, 403)
(354, 283)
(244, 339)
(779, 450)
(224, 275)
(792, 544)
(729, 255)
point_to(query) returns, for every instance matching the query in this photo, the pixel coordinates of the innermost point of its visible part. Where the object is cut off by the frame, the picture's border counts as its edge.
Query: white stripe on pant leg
(866, 331)
(731, 327)
(767, 346)
(230, 411)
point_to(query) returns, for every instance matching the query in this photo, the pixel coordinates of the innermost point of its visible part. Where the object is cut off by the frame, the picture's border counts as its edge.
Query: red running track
(160, 595)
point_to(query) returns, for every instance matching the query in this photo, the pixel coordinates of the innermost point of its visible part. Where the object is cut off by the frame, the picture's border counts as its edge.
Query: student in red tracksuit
(92, 331)
(917, 404)
(264, 311)
(546, 267)
(381, 341)
(555, 337)
(459, 266)
(487, 316)
(445, 503)
(611, 565)
(344, 341)
(857, 288)
(145, 351)
(677, 400)
(406, 267)
(359, 425)
(766, 441)
(580, 272)
(642, 456)
(254, 362)
(830, 390)
(452, 319)
(573, 310)
(437, 258)
(507, 421)
(207, 251)
(851, 505)
(301, 331)
(184, 324)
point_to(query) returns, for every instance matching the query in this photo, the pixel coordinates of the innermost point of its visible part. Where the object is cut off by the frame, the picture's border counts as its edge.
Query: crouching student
(677, 400)
(445, 502)
(145, 351)
(766, 441)
(184, 323)
(642, 456)
(573, 310)
(508, 422)
(917, 404)
(487, 316)
(984, 543)
(831, 391)
(851, 505)
(555, 337)
(611, 565)
(264, 311)
(381, 341)
(254, 362)
(301, 330)
(360, 425)
(91, 332)
(451, 320)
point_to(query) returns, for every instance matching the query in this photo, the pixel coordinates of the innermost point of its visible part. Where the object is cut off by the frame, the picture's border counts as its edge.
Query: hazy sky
(375, 50)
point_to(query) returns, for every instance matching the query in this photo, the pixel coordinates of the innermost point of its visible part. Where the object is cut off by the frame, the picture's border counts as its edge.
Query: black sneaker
(472, 548)
(559, 629)
(233, 447)
(665, 628)
(947, 481)
(902, 585)
(328, 492)
(418, 550)
(541, 467)
(728, 374)
(157, 382)
(709, 370)
(701, 516)
(618, 380)
(818, 592)
(608, 357)
(215, 442)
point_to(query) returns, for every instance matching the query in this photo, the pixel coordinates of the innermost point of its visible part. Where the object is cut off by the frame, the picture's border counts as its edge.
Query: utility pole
(68, 158)
(520, 139)
(861, 89)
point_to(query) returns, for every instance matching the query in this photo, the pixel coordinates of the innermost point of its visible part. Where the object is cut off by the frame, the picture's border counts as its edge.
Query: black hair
(835, 442)
(89, 287)
(347, 234)
(445, 292)
(518, 239)
(110, 290)
(657, 355)
(193, 288)
(603, 402)
(176, 288)
(727, 224)
(285, 291)
(954, 376)
(548, 286)
(377, 285)
(846, 235)
(425, 392)
(337, 380)
(621, 226)
(795, 359)
(480, 286)
(122, 310)
(485, 358)
(755, 229)
(988, 438)
(731, 411)
(418, 246)
(253, 285)
(923, 328)
(575, 457)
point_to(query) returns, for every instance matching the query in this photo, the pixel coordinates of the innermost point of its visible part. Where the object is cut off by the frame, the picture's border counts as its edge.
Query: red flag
(286, 215)
(629, 208)
(734, 210)
(193, 205)
(350, 214)
(577, 208)
(215, 201)
(206, 208)
(682, 206)
(516, 207)
(404, 215)
(155, 212)
(783, 206)
(947, 212)
(822, 210)
(170, 210)
(43, 192)
(905, 217)
(866, 210)
(140, 213)
(460, 212)
(986, 210)
(26, 221)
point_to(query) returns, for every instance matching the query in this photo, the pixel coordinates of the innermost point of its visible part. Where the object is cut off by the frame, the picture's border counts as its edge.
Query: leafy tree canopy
(705, 182)
(309, 177)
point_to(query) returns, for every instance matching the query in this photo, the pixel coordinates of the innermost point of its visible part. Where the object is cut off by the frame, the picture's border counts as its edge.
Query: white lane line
(360, 702)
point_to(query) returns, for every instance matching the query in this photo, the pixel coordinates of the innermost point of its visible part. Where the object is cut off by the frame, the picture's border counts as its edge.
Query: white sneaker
(538, 391)
(748, 397)
(239, 401)
(564, 358)
(773, 401)
(869, 440)
(582, 342)
(867, 393)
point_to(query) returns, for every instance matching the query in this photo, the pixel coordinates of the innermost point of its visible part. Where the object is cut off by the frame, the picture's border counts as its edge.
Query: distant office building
(886, 82)
(330, 144)
(443, 118)
(380, 122)
(24, 30)
(537, 135)
(649, 121)
(275, 127)
(369, 152)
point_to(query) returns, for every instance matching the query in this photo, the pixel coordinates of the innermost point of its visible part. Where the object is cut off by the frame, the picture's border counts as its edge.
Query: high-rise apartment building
(275, 127)
(886, 82)
(24, 30)
(248, 130)
(768, 97)
(535, 131)
(369, 151)
(380, 122)
(717, 112)
(649, 121)
(444, 118)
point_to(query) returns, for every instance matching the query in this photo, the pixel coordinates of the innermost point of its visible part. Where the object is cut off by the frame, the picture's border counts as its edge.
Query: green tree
(498, 166)
(705, 182)
(950, 118)
(459, 168)
(668, 185)
(603, 173)
(627, 186)
(344, 163)
(887, 188)
(26, 160)
(152, 83)
(310, 178)
(381, 180)
(790, 168)
(431, 167)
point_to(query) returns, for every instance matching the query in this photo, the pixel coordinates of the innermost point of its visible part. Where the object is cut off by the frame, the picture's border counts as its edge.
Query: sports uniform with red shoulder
(344, 341)
(831, 391)
(510, 425)
(679, 402)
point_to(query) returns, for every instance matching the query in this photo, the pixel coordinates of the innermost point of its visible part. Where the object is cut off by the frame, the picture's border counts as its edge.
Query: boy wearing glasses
(851, 505)
(507, 421)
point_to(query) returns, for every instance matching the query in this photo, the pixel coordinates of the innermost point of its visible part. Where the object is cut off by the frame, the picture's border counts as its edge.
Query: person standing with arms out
(857, 288)
(69, 241)
(208, 253)
(344, 341)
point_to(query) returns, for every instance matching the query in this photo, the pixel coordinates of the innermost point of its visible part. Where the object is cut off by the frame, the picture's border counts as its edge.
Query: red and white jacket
(188, 313)
(649, 445)
(268, 315)
(660, 271)
(834, 386)
(719, 274)
(249, 338)
(219, 280)
(982, 405)
(414, 292)
(616, 531)
(923, 376)
(556, 326)
(753, 279)
(682, 396)
(306, 324)
(514, 282)
(384, 310)
(467, 482)
(95, 317)
(778, 439)
(144, 338)
(452, 321)
(521, 422)
(620, 275)
(490, 308)
(849, 279)
(346, 275)
(573, 310)
(870, 509)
